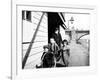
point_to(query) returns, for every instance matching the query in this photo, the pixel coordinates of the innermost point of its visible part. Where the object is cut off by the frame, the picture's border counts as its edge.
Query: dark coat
(47, 59)
(57, 38)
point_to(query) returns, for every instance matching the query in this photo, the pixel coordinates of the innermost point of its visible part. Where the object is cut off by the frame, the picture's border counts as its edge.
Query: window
(26, 15)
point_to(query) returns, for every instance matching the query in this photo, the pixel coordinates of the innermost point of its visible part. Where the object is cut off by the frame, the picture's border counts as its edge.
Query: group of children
(53, 54)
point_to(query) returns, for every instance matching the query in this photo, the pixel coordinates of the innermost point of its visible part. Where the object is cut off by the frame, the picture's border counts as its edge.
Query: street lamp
(71, 20)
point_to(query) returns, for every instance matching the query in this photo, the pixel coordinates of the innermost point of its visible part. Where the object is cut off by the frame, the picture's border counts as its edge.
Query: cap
(46, 46)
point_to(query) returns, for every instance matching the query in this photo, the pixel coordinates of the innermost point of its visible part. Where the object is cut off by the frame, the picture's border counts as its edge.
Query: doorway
(54, 21)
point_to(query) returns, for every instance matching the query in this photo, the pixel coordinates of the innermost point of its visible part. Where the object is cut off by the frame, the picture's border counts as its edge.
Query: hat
(46, 46)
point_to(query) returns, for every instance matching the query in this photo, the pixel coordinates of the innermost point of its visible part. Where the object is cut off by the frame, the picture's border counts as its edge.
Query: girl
(65, 52)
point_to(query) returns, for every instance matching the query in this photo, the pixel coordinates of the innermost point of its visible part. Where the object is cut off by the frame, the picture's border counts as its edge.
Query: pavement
(79, 55)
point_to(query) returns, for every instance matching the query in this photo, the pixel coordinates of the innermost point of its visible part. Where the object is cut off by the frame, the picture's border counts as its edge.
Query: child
(47, 58)
(54, 48)
(65, 54)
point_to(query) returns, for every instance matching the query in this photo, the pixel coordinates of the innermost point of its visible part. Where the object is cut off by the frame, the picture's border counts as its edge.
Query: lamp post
(73, 32)
(71, 20)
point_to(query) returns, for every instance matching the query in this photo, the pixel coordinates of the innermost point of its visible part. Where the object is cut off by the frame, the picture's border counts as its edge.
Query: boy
(54, 48)
(47, 58)
(57, 37)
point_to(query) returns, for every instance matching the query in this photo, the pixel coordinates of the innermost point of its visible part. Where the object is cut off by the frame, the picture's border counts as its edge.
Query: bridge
(77, 34)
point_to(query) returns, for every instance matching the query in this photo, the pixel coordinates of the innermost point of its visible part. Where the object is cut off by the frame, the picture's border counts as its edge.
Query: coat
(47, 60)
(57, 38)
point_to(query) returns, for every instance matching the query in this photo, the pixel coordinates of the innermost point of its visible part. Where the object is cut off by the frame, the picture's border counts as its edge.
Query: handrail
(31, 43)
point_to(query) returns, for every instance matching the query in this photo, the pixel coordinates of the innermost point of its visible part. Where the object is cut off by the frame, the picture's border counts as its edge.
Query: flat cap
(46, 46)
